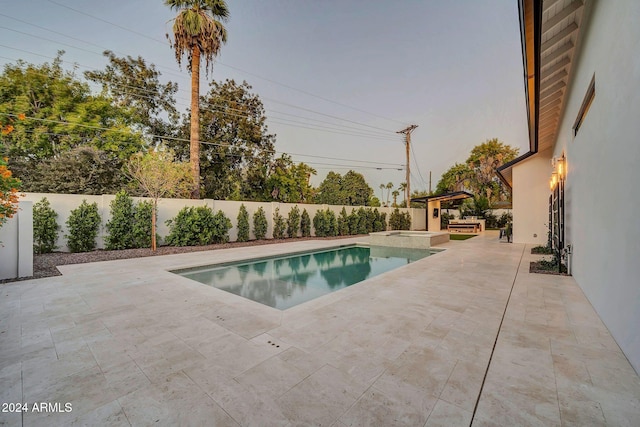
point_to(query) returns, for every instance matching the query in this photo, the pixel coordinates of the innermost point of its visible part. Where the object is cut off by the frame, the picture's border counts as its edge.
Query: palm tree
(403, 189)
(197, 31)
(395, 194)
(382, 187)
(389, 186)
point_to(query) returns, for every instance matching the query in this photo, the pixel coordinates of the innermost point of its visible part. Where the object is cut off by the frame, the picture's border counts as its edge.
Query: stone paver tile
(427, 370)
(518, 401)
(463, 386)
(176, 401)
(273, 377)
(447, 415)
(244, 404)
(581, 413)
(38, 375)
(376, 409)
(85, 390)
(321, 398)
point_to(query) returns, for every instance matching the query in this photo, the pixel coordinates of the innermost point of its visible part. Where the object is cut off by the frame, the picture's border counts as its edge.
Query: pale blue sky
(452, 67)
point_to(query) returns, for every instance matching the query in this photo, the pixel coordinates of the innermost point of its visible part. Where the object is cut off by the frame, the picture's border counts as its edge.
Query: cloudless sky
(454, 68)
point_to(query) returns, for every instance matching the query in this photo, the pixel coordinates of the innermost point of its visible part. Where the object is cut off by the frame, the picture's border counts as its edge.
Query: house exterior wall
(531, 200)
(603, 162)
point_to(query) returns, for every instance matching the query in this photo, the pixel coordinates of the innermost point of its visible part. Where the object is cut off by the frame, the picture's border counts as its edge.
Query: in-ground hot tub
(408, 239)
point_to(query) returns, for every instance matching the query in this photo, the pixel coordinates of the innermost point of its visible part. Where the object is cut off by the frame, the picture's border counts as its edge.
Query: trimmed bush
(243, 224)
(120, 223)
(141, 232)
(400, 220)
(362, 221)
(379, 221)
(343, 223)
(325, 223)
(195, 226)
(83, 225)
(305, 224)
(279, 225)
(45, 227)
(353, 222)
(293, 222)
(260, 224)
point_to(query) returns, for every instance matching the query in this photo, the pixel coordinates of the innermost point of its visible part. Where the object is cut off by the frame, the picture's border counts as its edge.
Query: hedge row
(129, 225)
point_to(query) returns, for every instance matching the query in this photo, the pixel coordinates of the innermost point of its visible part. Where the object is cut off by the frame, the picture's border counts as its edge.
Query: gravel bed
(44, 265)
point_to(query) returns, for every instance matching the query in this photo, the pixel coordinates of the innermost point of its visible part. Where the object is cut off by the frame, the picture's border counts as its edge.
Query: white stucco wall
(603, 182)
(16, 243)
(531, 199)
(63, 204)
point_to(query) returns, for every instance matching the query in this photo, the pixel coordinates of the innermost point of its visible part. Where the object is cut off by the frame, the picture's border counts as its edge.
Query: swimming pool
(287, 280)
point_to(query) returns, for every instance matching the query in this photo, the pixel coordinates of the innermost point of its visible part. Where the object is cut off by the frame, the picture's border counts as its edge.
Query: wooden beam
(552, 89)
(560, 16)
(558, 37)
(550, 81)
(553, 104)
(551, 99)
(558, 52)
(558, 66)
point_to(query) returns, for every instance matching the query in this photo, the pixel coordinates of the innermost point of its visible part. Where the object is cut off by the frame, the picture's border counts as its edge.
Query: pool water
(288, 280)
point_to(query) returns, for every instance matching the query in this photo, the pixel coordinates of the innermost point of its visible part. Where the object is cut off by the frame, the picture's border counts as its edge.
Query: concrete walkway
(463, 337)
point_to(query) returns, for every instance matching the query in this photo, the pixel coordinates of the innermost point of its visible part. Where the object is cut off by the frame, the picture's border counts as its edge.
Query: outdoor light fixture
(562, 170)
(554, 180)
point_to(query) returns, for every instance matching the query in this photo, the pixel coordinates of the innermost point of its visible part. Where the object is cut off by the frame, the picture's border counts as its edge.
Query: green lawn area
(461, 236)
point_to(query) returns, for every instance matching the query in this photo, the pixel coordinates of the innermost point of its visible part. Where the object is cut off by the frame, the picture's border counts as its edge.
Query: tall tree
(52, 111)
(237, 163)
(289, 182)
(478, 173)
(351, 189)
(132, 84)
(197, 32)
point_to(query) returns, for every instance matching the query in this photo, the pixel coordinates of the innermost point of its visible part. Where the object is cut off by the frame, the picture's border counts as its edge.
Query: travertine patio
(127, 343)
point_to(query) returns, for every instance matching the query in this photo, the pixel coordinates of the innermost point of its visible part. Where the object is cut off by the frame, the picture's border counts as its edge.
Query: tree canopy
(478, 174)
(351, 189)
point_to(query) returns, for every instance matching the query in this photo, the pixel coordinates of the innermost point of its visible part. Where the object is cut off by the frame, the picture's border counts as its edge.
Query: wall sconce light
(562, 170)
(554, 181)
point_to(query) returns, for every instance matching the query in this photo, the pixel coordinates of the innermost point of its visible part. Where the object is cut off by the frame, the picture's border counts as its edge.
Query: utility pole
(407, 139)
(429, 182)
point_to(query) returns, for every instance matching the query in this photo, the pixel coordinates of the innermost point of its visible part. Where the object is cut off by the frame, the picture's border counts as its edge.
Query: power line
(394, 165)
(418, 167)
(229, 66)
(361, 132)
(270, 99)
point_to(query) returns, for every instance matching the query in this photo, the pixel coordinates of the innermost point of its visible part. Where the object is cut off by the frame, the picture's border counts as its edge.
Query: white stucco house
(582, 82)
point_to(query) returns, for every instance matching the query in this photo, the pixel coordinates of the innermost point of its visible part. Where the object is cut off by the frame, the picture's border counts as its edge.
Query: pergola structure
(433, 206)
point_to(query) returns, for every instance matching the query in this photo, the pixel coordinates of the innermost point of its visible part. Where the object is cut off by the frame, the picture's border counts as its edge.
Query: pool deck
(466, 330)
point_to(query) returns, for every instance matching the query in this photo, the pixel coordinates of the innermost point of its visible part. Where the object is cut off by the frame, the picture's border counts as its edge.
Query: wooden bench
(463, 226)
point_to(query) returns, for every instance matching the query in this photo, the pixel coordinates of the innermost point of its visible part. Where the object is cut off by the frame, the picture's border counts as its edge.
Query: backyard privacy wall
(16, 243)
(63, 204)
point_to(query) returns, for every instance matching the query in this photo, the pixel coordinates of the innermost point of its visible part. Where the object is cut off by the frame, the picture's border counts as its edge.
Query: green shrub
(243, 224)
(305, 224)
(45, 227)
(279, 225)
(293, 222)
(260, 224)
(141, 231)
(379, 221)
(362, 221)
(399, 220)
(325, 223)
(83, 225)
(343, 223)
(198, 226)
(504, 219)
(120, 223)
(353, 222)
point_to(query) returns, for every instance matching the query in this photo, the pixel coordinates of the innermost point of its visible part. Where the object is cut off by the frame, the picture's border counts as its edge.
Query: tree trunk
(153, 225)
(194, 142)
